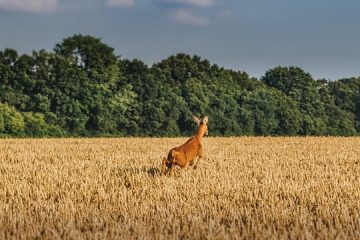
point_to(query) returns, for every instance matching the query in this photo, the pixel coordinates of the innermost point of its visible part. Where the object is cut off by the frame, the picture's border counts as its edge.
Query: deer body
(186, 154)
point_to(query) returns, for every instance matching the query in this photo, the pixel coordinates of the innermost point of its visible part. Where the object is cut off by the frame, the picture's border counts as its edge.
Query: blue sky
(321, 36)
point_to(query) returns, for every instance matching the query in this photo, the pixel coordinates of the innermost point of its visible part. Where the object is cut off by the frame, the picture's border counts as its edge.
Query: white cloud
(120, 3)
(186, 17)
(34, 6)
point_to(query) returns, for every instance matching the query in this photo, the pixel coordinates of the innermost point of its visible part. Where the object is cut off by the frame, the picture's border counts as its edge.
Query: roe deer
(185, 155)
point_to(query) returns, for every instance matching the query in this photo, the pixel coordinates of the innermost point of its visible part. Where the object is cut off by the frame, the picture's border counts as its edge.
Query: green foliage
(86, 52)
(341, 99)
(302, 88)
(84, 89)
(11, 121)
(35, 124)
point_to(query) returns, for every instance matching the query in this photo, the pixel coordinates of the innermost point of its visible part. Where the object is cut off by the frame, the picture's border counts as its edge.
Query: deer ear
(196, 120)
(206, 119)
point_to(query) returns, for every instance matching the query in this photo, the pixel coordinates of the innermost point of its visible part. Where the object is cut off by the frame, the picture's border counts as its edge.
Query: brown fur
(186, 154)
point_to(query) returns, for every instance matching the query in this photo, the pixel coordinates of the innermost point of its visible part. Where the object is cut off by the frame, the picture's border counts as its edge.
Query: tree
(83, 88)
(300, 86)
(11, 121)
(345, 95)
(35, 124)
(86, 51)
(273, 112)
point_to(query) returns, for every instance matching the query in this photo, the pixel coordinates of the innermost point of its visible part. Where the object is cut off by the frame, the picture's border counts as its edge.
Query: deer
(185, 155)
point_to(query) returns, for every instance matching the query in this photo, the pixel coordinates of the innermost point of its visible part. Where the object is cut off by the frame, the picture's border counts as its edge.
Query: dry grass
(298, 188)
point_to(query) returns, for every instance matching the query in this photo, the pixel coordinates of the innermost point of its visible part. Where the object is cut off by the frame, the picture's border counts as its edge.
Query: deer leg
(187, 164)
(197, 162)
(172, 168)
(163, 167)
(200, 155)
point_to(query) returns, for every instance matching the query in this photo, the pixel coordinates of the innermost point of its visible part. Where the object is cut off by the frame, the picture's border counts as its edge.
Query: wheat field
(247, 187)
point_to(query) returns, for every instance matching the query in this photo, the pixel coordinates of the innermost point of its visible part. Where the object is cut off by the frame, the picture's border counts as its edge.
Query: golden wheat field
(247, 187)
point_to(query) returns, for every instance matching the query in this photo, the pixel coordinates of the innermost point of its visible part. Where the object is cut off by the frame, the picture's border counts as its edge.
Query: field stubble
(298, 188)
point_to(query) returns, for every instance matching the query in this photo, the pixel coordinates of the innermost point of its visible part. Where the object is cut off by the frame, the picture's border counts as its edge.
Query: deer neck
(199, 134)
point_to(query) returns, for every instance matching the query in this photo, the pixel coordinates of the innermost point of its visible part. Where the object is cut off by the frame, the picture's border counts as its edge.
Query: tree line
(82, 88)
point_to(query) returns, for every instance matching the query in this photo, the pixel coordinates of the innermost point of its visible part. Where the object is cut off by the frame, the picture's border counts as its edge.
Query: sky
(320, 36)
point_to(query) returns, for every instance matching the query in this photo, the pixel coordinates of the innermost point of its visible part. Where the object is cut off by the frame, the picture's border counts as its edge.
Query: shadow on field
(153, 171)
(150, 171)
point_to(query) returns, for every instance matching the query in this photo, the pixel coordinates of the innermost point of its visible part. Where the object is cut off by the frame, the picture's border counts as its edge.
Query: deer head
(203, 128)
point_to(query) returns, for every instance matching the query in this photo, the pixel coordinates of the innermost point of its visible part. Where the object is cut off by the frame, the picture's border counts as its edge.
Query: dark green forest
(82, 88)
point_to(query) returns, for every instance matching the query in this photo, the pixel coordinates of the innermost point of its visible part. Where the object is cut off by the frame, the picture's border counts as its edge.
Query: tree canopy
(82, 88)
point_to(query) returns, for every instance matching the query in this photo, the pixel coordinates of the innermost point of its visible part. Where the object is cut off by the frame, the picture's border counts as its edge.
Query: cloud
(34, 6)
(195, 3)
(186, 17)
(120, 3)
(184, 10)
